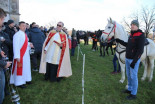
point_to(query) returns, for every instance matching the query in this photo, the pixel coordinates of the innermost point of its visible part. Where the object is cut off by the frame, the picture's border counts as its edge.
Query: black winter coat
(2, 63)
(37, 37)
(135, 45)
(10, 32)
(5, 46)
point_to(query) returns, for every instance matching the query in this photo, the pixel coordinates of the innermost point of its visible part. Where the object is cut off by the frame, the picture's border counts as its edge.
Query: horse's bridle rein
(113, 30)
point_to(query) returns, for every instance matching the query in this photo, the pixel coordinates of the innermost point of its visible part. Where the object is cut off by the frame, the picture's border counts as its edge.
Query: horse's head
(109, 31)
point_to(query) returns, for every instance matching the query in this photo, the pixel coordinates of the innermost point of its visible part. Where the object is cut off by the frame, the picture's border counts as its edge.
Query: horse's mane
(120, 28)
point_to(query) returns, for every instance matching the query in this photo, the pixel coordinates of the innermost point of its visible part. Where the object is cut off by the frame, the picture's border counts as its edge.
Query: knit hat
(10, 22)
(135, 22)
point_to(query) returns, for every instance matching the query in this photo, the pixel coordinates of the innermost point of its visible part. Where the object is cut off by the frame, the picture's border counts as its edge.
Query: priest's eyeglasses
(59, 25)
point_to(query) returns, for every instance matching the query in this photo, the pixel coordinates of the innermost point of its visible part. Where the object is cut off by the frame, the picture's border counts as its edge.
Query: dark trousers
(10, 54)
(2, 85)
(35, 58)
(86, 41)
(94, 45)
(115, 64)
(72, 51)
(51, 72)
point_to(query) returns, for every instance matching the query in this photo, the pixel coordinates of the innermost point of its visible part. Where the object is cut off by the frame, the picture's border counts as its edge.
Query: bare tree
(126, 24)
(146, 18)
(52, 23)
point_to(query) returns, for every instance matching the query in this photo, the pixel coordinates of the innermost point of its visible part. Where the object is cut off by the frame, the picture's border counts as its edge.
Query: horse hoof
(150, 80)
(121, 81)
(142, 79)
(126, 87)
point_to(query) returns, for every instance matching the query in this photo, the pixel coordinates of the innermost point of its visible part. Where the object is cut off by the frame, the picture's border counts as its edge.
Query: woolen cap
(135, 22)
(10, 22)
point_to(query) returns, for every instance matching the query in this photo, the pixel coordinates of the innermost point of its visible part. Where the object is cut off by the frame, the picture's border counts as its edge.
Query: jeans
(132, 76)
(115, 64)
(2, 85)
(72, 51)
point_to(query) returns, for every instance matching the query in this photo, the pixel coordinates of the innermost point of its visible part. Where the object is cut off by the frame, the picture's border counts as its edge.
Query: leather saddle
(146, 42)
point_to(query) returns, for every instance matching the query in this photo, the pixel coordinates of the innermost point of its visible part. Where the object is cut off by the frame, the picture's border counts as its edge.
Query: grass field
(101, 87)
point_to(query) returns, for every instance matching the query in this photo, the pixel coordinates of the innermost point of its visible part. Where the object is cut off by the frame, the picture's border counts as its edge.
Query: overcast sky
(79, 14)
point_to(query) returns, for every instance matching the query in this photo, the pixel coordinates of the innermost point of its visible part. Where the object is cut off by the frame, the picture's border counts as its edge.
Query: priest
(55, 60)
(21, 69)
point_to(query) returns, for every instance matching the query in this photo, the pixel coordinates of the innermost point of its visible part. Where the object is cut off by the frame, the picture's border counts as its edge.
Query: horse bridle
(113, 30)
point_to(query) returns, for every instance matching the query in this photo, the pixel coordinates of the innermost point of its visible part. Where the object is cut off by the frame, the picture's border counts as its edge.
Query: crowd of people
(23, 44)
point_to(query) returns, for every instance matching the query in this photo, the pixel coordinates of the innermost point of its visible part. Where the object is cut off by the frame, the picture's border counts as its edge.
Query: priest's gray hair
(62, 23)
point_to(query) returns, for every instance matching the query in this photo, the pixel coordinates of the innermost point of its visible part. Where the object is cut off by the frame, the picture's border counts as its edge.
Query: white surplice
(53, 55)
(53, 50)
(18, 41)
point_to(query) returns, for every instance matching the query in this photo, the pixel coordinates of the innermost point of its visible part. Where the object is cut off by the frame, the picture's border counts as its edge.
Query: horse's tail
(148, 66)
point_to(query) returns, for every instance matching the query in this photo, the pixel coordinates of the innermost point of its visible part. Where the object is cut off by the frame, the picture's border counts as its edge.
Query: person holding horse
(134, 50)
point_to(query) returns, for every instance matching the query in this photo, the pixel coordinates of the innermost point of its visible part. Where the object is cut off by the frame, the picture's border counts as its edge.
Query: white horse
(147, 58)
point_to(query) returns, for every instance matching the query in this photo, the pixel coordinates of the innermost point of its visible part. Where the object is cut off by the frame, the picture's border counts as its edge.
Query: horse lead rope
(120, 53)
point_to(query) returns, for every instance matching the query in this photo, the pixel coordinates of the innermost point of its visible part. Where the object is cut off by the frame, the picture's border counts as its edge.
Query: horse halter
(112, 30)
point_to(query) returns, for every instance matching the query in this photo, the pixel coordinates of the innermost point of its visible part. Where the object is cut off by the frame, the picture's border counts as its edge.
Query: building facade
(11, 7)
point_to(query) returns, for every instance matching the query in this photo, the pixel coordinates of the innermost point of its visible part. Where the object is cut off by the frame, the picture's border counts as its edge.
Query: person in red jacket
(134, 50)
(74, 44)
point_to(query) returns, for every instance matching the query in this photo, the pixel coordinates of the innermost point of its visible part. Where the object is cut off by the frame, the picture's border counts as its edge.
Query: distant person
(115, 65)
(10, 30)
(74, 44)
(37, 37)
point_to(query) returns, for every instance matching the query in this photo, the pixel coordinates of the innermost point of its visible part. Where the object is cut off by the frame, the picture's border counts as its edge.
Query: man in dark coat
(27, 31)
(10, 31)
(3, 64)
(134, 50)
(37, 37)
(6, 43)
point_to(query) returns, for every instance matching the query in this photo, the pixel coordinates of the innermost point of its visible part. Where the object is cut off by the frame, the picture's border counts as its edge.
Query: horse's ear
(110, 20)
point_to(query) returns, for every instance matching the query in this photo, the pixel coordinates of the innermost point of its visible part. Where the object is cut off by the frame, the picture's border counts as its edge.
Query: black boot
(131, 97)
(22, 86)
(126, 91)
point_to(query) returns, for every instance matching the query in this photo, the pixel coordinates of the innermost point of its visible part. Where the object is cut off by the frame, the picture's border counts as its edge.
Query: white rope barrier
(83, 79)
(80, 51)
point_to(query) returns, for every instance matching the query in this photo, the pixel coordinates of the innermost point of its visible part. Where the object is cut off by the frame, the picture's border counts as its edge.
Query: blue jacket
(37, 37)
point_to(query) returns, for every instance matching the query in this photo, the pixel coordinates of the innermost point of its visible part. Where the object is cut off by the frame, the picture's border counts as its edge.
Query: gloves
(132, 65)
(117, 40)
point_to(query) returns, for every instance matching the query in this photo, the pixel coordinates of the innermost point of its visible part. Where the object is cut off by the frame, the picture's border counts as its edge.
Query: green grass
(100, 86)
